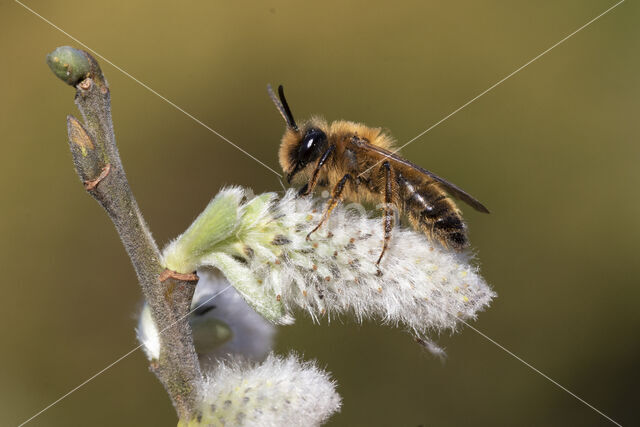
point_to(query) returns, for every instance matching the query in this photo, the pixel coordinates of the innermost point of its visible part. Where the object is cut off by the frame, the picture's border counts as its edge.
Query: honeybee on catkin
(359, 164)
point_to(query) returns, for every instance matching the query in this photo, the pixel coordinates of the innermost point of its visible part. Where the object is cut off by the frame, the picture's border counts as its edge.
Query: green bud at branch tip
(69, 64)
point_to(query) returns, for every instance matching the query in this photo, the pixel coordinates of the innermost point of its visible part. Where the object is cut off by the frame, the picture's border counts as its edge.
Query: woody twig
(97, 162)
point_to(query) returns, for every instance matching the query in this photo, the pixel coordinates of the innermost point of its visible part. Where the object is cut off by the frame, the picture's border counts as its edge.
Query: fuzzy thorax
(337, 133)
(265, 254)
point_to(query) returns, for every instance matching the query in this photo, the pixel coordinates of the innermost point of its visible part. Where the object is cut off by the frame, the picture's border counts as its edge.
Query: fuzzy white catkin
(147, 333)
(278, 392)
(222, 324)
(419, 283)
(219, 307)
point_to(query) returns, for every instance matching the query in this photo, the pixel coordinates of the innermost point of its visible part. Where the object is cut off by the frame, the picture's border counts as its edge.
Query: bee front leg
(388, 211)
(303, 190)
(311, 185)
(333, 201)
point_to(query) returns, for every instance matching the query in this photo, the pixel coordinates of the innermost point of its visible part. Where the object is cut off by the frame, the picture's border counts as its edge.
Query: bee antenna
(283, 107)
(291, 121)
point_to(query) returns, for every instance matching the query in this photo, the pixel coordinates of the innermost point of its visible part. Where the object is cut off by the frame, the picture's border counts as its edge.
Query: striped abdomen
(430, 210)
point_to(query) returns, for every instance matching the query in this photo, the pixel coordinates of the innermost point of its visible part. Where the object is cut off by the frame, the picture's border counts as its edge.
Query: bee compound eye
(311, 144)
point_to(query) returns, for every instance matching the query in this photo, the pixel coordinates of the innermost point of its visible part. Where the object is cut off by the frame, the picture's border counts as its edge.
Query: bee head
(310, 146)
(299, 146)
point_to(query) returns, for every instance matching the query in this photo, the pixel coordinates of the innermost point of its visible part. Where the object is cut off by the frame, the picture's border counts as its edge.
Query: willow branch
(97, 162)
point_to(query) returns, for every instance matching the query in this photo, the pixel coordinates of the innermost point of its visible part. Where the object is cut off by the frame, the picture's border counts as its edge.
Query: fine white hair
(419, 283)
(278, 392)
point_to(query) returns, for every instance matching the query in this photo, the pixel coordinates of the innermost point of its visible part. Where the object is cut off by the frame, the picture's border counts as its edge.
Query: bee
(360, 164)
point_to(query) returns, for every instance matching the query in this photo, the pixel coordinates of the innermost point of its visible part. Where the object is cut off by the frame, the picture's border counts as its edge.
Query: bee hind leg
(388, 210)
(333, 202)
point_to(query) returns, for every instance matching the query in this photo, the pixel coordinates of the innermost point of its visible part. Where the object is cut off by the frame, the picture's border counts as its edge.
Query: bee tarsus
(303, 191)
(311, 185)
(388, 211)
(333, 202)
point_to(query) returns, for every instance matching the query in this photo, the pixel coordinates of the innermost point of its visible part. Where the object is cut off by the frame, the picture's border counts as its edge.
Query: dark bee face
(309, 149)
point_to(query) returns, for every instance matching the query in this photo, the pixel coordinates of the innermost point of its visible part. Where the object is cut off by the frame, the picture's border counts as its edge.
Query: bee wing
(400, 163)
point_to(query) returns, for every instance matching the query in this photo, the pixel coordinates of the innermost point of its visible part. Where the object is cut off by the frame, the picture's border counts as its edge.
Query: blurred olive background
(553, 152)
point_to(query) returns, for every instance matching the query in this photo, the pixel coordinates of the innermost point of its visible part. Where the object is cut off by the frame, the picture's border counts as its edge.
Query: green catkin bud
(69, 65)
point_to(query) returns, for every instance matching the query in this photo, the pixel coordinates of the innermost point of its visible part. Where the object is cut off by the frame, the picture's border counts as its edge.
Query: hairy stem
(97, 162)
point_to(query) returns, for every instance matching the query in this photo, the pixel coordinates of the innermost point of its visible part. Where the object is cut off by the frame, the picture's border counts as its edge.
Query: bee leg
(388, 212)
(303, 190)
(307, 189)
(333, 201)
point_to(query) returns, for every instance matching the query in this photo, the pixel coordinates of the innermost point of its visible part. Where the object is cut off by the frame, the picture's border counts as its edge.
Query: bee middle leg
(333, 201)
(308, 187)
(388, 211)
